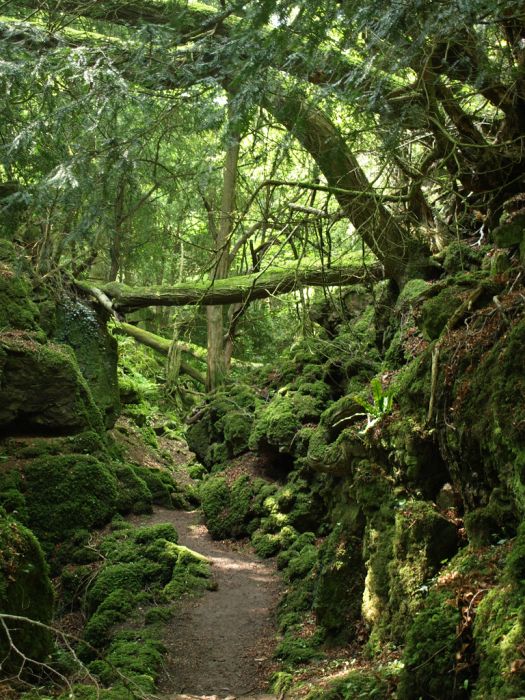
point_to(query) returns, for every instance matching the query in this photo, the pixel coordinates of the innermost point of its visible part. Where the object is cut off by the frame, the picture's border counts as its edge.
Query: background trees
(399, 128)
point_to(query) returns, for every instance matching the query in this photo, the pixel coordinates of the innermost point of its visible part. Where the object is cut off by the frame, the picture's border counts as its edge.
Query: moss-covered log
(162, 345)
(235, 289)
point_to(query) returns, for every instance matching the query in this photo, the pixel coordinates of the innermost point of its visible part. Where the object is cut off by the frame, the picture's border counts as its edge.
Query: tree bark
(237, 289)
(371, 219)
(216, 351)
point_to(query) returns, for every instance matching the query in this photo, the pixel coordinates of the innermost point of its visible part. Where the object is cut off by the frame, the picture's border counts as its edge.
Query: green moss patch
(64, 494)
(25, 590)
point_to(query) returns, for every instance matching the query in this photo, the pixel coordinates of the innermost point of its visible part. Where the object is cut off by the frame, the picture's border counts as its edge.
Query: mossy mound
(142, 567)
(25, 590)
(233, 509)
(163, 489)
(278, 422)
(68, 493)
(223, 428)
(376, 684)
(41, 388)
(133, 494)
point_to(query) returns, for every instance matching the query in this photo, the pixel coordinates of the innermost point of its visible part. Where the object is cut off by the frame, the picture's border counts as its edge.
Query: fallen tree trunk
(235, 289)
(161, 345)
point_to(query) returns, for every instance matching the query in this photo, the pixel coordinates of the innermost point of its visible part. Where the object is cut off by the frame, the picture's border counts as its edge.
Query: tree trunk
(236, 289)
(161, 345)
(216, 351)
(371, 219)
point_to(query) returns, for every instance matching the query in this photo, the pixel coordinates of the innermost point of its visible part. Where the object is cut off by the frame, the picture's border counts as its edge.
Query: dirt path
(220, 643)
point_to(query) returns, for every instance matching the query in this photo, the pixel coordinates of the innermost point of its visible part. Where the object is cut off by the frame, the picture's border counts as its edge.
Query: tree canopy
(389, 131)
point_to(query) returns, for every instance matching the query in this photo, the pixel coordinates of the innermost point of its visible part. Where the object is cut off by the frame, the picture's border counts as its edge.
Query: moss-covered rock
(340, 579)
(460, 257)
(83, 328)
(510, 233)
(277, 423)
(25, 590)
(41, 388)
(232, 510)
(406, 542)
(133, 494)
(429, 657)
(17, 310)
(159, 483)
(223, 428)
(499, 630)
(68, 493)
(29, 447)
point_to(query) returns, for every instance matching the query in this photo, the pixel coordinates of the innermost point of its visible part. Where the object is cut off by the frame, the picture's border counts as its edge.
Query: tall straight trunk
(115, 249)
(216, 350)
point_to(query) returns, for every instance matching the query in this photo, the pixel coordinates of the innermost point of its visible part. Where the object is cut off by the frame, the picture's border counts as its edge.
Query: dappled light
(262, 321)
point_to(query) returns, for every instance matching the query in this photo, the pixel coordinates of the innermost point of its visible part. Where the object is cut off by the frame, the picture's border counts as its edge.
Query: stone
(42, 389)
(83, 328)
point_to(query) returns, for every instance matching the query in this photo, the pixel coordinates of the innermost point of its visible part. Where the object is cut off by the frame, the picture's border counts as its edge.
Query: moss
(296, 650)
(138, 657)
(199, 439)
(460, 257)
(437, 311)
(191, 574)
(269, 544)
(278, 422)
(83, 328)
(133, 494)
(359, 684)
(97, 630)
(335, 456)
(130, 577)
(515, 563)
(301, 563)
(406, 543)
(230, 511)
(25, 590)
(224, 426)
(17, 310)
(296, 544)
(429, 656)
(64, 494)
(217, 456)
(492, 522)
(158, 614)
(27, 396)
(141, 566)
(489, 422)
(340, 579)
(88, 442)
(159, 483)
(11, 497)
(197, 471)
(510, 233)
(236, 427)
(499, 630)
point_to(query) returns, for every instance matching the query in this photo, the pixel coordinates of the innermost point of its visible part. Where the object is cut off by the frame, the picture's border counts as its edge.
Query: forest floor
(220, 643)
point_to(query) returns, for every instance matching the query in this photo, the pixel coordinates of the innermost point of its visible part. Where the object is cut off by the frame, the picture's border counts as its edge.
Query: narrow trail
(222, 642)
